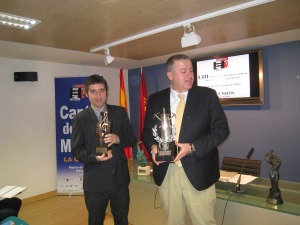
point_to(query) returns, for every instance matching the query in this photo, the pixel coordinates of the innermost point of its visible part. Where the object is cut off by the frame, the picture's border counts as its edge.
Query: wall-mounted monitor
(236, 77)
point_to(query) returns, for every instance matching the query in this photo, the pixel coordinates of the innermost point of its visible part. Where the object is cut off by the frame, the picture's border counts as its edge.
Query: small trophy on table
(143, 169)
(102, 128)
(274, 196)
(166, 144)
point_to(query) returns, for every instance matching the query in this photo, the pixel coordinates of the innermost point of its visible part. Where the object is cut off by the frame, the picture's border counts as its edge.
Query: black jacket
(100, 176)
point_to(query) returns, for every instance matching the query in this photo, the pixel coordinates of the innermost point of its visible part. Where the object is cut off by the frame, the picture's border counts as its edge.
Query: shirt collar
(174, 94)
(97, 111)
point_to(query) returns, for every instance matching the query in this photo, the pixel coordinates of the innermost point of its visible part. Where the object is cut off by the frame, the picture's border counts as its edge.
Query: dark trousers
(96, 203)
(9, 207)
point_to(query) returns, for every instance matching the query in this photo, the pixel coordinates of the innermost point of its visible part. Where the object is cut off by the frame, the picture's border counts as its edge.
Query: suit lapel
(191, 100)
(92, 115)
(188, 111)
(165, 101)
(109, 109)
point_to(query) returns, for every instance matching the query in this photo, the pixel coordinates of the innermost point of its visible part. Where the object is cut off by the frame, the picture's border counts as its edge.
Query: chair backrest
(252, 167)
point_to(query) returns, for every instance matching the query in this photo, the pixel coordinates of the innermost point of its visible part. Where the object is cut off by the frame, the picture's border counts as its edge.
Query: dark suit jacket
(100, 176)
(204, 124)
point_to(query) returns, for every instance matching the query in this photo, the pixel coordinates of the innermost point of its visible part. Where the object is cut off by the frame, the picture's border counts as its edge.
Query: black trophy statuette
(102, 128)
(166, 144)
(274, 196)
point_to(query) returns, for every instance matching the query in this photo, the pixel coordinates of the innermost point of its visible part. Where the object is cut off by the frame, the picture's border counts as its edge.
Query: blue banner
(69, 100)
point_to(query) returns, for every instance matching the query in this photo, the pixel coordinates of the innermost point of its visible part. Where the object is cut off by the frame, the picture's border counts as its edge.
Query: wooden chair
(252, 167)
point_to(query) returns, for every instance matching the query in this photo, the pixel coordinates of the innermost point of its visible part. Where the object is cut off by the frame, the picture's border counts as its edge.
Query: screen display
(236, 77)
(229, 76)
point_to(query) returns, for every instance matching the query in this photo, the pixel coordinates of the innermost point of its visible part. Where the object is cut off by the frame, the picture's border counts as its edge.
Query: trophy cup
(102, 129)
(166, 144)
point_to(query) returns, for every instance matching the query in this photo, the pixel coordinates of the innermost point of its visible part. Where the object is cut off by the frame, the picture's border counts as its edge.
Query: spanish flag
(127, 150)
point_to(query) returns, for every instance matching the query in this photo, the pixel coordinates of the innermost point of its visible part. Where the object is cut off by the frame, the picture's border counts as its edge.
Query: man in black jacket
(106, 176)
(190, 181)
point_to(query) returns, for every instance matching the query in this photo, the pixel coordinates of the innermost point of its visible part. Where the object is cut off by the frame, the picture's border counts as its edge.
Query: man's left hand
(184, 150)
(111, 139)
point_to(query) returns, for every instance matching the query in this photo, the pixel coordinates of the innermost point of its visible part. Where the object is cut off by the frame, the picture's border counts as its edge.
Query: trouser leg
(119, 204)
(178, 194)
(96, 203)
(171, 196)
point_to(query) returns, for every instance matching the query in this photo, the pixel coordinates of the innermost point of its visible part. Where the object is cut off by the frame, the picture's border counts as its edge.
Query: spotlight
(108, 58)
(190, 37)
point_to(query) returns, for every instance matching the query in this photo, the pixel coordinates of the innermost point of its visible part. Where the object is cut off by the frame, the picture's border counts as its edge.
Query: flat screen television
(236, 77)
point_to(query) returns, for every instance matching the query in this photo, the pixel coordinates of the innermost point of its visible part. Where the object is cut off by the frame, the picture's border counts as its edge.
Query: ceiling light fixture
(183, 23)
(108, 58)
(190, 37)
(17, 21)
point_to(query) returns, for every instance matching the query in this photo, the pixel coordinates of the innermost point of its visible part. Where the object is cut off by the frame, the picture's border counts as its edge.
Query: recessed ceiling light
(17, 21)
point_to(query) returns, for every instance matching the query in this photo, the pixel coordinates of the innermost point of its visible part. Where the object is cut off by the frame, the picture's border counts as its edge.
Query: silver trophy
(166, 144)
(102, 128)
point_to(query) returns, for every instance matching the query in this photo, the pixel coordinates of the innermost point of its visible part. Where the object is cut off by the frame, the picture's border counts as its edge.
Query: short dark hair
(95, 79)
(172, 59)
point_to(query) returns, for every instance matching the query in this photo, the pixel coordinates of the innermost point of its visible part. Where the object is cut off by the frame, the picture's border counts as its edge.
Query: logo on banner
(77, 92)
(221, 63)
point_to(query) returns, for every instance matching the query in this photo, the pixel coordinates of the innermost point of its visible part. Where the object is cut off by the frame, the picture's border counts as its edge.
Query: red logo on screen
(221, 63)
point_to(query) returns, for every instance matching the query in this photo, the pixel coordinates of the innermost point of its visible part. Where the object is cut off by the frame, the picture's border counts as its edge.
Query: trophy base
(101, 150)
(165, 156)
(274, 201)
(144, 170)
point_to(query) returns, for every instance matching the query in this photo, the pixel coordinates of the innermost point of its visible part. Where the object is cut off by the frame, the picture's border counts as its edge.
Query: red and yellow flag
(142, 110)
(127, 150)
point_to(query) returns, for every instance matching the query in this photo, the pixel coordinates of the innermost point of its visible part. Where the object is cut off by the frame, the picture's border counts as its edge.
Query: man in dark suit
(190, 181)
(106, 176)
